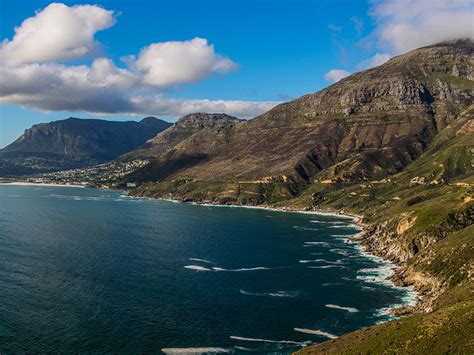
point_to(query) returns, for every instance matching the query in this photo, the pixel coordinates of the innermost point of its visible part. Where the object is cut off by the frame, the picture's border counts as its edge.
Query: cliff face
(369, 125)
(75, 142)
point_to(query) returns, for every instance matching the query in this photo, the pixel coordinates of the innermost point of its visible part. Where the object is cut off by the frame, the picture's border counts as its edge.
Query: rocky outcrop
(183, 129)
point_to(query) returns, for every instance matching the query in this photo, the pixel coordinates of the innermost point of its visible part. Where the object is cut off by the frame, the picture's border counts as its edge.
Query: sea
(89, 270)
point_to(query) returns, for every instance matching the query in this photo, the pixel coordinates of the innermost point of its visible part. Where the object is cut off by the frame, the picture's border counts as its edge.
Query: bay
(87, 270)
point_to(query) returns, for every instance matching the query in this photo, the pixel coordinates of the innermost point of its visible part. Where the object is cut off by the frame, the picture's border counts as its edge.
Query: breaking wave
(201, 260)
(283, 294)
(233, 337)
(197, 268)
(308, 244)
(219, 269)
(348, 309)
(337, 262)
(316, 332)
(300, 228)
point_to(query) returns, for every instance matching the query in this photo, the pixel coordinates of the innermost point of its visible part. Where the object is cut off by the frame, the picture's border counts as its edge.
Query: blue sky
(277, 50)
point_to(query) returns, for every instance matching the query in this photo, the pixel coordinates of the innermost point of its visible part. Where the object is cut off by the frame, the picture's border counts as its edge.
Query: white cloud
(170, 63)
(31, 77)
(374, 61)
(403, 25)
(58, 32)
(103, 88)
(335, 75)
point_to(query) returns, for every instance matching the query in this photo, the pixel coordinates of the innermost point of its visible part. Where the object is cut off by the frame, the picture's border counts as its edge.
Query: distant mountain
(183, 129)
(75, 142)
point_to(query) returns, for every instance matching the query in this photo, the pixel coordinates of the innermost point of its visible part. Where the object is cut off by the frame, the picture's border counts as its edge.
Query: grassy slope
(448, 329)
(449, 260)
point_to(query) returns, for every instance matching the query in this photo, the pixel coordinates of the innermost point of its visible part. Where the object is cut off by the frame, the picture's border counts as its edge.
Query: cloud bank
(404, 25)
(33, 72)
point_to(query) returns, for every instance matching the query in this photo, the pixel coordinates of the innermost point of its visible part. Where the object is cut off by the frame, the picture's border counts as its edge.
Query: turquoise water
(89, 270)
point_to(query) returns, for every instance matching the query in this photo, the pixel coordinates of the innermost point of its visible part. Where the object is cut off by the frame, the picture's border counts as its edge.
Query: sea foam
(348, 309)
(201, 260)
(233, 337)
(316, 332)
(283, 294)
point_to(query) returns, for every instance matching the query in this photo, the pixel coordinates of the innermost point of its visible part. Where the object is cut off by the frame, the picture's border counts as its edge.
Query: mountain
(393, 144)
(369, 125)
(74, 142)
(184, 128)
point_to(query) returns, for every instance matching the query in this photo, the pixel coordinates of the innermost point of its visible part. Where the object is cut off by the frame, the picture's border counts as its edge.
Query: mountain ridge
(75, 142)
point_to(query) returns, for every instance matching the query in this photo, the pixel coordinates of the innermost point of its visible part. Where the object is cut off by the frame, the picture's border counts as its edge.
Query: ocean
(88, 270)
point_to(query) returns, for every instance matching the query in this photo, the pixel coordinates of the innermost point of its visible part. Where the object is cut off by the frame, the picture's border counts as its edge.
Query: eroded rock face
(406, 221)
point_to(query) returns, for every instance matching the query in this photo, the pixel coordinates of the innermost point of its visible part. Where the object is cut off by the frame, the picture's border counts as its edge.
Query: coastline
(388, 271)
(405, 308)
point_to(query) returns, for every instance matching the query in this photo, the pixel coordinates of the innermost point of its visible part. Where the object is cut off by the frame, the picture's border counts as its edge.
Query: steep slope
(369, 125)
(75, 142)
(184, 128)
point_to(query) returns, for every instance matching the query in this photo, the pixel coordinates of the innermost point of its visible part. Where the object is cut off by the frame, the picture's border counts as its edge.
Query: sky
(124, 59)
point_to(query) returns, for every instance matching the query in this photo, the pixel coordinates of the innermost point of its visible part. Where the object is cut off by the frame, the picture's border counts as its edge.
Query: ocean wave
(194, 350)
(331, 284)
(201, 260)
(316, 332)
(340, 252)
(219, 269)
(352, 226)
(348, 309)
(233, 337)
(326, 267)
(197, 268)
(324, 244)
(301, 228)
(337, 262)
(330, 222)
(283, 294)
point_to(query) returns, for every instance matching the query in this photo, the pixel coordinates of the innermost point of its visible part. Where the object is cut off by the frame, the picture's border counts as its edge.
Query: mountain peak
(208, 119)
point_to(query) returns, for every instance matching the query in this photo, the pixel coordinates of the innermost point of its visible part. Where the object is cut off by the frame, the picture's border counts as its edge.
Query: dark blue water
(90, 270)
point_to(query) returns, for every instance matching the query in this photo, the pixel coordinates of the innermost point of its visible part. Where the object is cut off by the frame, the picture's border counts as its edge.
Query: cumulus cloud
(169, 63)
(403, 25)
(103, 88)
(335, 75)
(58, 32)
(31, 76)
